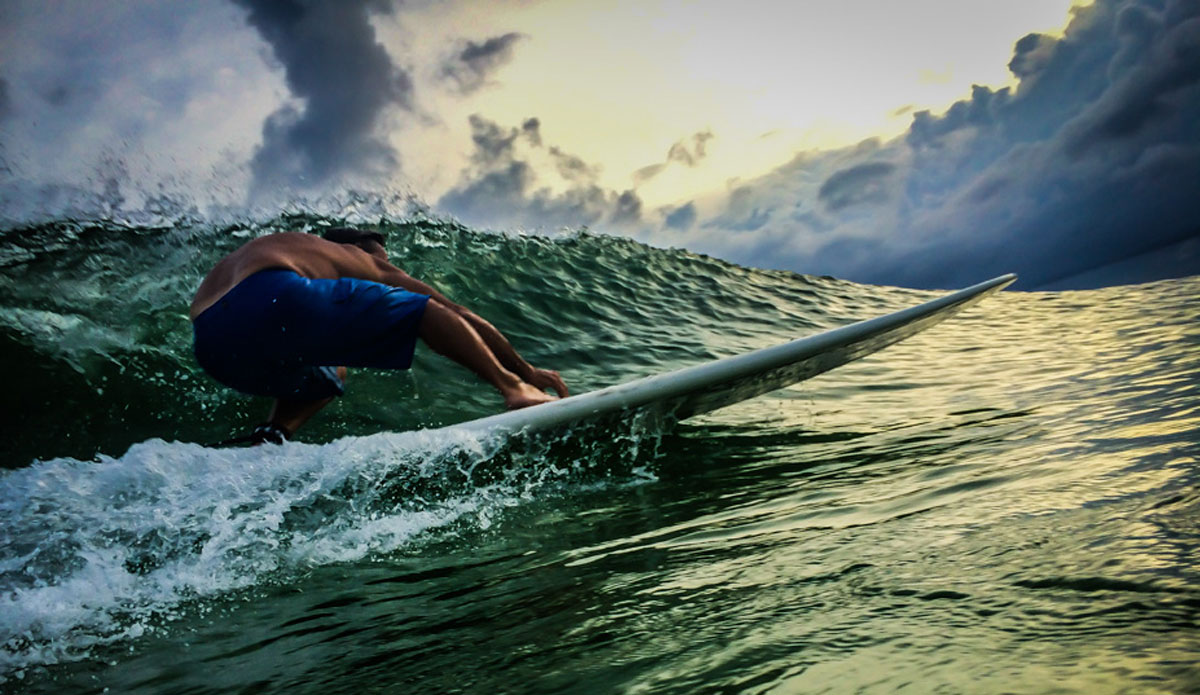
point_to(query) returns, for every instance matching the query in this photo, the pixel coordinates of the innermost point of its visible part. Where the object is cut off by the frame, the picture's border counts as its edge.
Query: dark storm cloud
(1116, 179)
(345, 82)
(470, 68)
(861, 183)
(501, 187)
(1030, 55)
(1092, 159)
(1144, 98)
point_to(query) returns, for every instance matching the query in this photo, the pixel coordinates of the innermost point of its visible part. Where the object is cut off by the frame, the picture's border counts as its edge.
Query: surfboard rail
(705, 387)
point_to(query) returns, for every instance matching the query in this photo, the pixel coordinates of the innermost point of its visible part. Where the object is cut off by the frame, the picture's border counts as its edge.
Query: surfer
(274, 317)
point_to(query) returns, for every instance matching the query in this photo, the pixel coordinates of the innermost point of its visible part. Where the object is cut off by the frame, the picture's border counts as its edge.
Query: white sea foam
(98, 552)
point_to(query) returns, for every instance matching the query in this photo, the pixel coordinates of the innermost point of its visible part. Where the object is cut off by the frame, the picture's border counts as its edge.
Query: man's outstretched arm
(505, 353)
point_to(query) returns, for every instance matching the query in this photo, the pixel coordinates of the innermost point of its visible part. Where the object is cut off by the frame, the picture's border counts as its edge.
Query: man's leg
(451, 336)
(289, 415)
(495, 341)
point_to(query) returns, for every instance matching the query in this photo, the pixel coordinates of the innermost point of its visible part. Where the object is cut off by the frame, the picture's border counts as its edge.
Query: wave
(96, 315)
(112, 524)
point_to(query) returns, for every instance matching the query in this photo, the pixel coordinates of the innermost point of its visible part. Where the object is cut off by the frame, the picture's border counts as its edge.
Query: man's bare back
(305, 254)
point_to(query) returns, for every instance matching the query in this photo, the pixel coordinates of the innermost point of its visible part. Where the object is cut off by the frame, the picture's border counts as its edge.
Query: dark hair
(349, 235)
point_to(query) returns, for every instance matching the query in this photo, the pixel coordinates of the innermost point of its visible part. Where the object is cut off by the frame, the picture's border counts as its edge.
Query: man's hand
(547, 379)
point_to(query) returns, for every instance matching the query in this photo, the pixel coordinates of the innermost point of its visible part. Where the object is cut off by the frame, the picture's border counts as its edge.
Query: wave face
(1005, 500)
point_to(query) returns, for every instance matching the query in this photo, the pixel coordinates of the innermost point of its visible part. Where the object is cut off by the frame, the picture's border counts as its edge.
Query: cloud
(205, 101)
(1093, 158)
(494, 144)
(1030, 55)
(573, 168)
(1145, 97)
(344, 82)
(647, 172)
(162, 99)
(690, 155)
(688, 152)
(682, 217)
(532, 128)
(495, 192)
(5, 100)
(469, 68)
(628, 208)
(68, 75)
(861, 183)
(505, 184)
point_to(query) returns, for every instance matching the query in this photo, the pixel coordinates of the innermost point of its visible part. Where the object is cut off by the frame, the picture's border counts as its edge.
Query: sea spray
(96, 552)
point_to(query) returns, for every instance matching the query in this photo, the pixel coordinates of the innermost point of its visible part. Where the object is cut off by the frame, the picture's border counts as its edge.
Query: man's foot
(268, 433)
(265, 433)
(524, 395)
(548, 379)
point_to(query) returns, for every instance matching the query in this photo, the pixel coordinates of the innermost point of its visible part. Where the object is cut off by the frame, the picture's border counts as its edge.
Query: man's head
(369, 241)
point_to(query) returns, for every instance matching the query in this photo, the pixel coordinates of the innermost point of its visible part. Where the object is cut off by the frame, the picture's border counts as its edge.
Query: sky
(927, 143)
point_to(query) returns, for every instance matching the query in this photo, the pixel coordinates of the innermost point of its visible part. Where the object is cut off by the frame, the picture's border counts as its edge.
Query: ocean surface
(1006, 503)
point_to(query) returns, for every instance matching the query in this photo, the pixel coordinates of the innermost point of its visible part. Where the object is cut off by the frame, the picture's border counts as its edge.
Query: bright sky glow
(617, 83)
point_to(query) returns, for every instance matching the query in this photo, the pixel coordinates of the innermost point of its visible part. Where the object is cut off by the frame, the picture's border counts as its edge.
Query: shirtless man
(285, 314)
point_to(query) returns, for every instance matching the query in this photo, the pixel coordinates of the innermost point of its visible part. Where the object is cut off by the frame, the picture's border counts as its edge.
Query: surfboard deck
(702, 388)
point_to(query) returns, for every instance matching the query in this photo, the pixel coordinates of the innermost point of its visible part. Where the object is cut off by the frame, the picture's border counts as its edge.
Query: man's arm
(492, 337)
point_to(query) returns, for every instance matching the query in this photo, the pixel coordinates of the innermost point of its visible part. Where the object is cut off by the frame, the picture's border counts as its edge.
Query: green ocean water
(1007, 502)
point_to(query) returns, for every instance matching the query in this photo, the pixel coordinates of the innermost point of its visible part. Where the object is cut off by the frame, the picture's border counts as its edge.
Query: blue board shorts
(280, 334)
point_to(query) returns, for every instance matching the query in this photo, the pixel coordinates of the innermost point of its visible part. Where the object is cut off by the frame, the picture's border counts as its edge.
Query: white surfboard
(705, 387)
